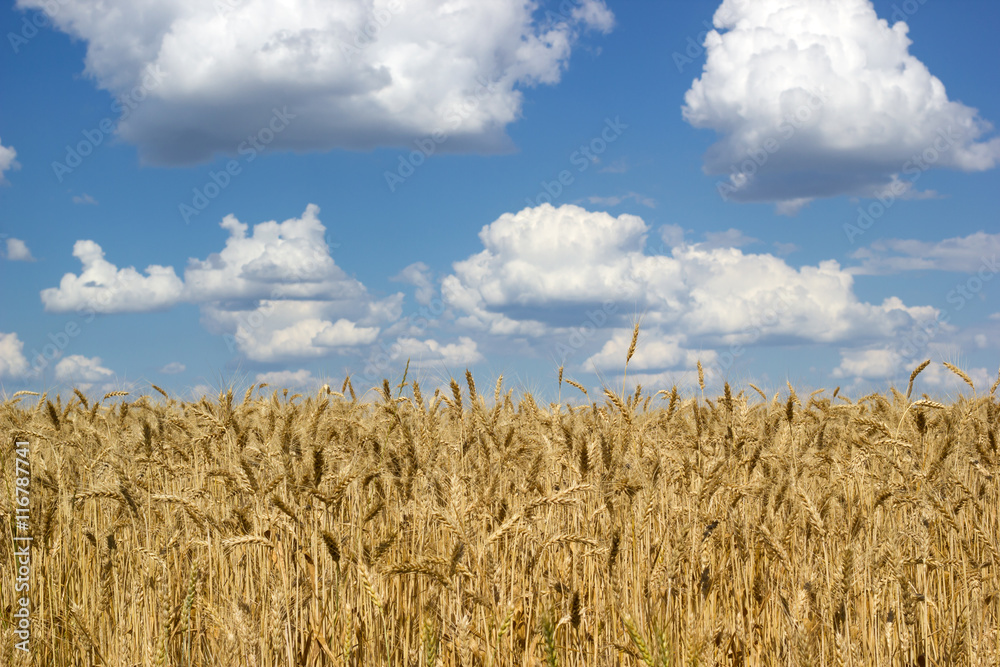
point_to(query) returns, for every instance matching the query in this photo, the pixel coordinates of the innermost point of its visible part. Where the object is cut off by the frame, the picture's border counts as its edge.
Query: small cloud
(731, 238)
(12, 360)
(672, 235)
(417, 274)
(614, 200)
(975, 253)
(7, 161)
(78, 368)
(288, 379)
(173, 368)
(785, 248)
(200, 390)
(619, 166)
(982, 342)
(17, 251)
(84, 199)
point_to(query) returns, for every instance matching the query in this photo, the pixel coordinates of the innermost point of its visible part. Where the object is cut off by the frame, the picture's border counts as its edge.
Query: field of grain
(476, 527)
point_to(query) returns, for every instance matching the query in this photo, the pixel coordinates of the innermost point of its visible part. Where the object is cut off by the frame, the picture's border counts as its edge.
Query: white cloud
(173, 368)
(547, 274)
(13, 363)
(104, 288)
(218, 74)
(418, 274)
(276, 260)
(817, 99)
(877, 363)
(84, 199)
(274, 291)
(429, 352)
(200, 390)
(653, 352)
(280, 330)
(289, 379)
(975, 253)
(7, 161)
(77, 368)
(17, 251)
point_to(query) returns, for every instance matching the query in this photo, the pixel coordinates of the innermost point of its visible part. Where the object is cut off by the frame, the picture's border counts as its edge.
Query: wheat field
(468, 529)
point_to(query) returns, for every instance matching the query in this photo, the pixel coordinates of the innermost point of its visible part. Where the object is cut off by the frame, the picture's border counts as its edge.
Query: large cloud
(353, 73)
(817, 98)
(572, 278)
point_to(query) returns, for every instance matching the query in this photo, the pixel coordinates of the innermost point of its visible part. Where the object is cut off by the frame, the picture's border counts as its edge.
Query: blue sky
(195, 194)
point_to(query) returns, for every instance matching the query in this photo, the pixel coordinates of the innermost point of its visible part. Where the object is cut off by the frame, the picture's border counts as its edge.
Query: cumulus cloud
(275, 260)
(173, 368)
(818, 99)
(104, 288)
(7, 161)
(17, 251)
(975, 253)
(301, 378)
(273, 291)
(877, 363)
(569, 279)
(77, 368)
(354, 74)
(13, 363)
(429, 352)
(84, 199)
